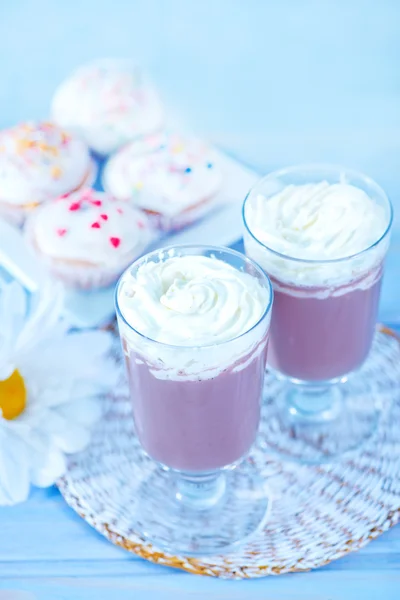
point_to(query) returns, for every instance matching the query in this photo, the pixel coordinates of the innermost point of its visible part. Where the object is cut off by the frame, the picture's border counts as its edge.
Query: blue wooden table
(273, 83)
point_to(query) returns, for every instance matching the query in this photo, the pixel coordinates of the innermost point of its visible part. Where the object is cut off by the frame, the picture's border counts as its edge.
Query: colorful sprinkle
(115, 241)
(188, 170)
(75, 206)
(87, 194)
(104, 217)
(209, 165)
(56, 172)
(140, 224)
(120, 211)
(96, 202)
(61, 232)
(95, 225)
(65, 138)
(177, 148)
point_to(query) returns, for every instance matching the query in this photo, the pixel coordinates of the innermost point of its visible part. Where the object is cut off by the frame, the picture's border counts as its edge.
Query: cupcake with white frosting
(88, 239)
(39, 162)
(108, 103)
(170, 177)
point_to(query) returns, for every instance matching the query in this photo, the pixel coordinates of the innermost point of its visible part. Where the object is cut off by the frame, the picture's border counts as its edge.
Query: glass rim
(318, 166)
(145, 257)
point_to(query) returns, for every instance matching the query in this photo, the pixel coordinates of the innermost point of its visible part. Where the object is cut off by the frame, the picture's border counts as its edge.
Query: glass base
(202, 514)
(320, 423)
(296, 431)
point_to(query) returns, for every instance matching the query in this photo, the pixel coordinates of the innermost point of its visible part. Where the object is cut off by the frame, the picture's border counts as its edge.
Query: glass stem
(200, 491)
(314, 402)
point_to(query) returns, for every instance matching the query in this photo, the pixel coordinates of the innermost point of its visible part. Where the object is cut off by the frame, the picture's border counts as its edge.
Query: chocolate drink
(198, 425)
(317, 336)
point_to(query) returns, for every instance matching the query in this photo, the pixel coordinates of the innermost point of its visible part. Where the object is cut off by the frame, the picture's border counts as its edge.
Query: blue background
(273, 83)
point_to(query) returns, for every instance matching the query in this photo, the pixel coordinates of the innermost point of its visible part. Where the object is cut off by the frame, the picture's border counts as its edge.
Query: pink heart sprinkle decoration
(140, 224)
(104, 217)
(95, 225)
(74, 206)
(61, 232)
(95, 202)
(86, 195)
(115, 241)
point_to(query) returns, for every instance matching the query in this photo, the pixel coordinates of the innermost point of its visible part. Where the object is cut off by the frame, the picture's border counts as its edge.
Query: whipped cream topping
(191, 301)
(166, 173)
(315, 222)
(40, 161)
(89, 227)
(108, 103)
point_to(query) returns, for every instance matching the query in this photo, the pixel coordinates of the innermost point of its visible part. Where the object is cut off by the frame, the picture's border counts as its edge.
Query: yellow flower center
(12, 396)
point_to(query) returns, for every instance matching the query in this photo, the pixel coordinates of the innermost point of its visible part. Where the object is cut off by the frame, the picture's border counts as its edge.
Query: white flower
(51, 383)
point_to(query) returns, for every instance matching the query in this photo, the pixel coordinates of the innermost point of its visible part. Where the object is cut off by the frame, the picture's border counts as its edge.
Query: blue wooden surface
(273, 83)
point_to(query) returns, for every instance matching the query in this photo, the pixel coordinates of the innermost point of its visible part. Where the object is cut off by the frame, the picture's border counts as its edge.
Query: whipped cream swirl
(192, 301)
(316, 222)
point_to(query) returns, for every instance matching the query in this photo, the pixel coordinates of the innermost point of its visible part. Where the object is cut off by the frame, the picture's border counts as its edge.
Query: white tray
(222, 227)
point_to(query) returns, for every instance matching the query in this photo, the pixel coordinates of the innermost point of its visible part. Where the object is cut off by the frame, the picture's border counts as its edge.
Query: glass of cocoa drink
(321, 233)
(194, 325)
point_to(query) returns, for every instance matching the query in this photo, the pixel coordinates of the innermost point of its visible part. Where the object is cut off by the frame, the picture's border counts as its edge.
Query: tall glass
(197, 412)
(321, 333)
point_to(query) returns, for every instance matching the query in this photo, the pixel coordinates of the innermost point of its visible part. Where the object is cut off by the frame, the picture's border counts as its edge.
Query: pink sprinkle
(104, 217)
(74, 206)
(61, 232)
(114, 241)
(95, 225)
(120, 211)
(64, 196)
(96, 202)
(140, 224)
(87, 194)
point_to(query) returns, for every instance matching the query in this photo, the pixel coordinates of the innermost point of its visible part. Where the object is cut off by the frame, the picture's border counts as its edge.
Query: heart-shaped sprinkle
(95, 202)
(95, 225)
(115, 241)
(120, 211)
(104, 217)
(87, 194)
(74, 206)
(61, 232)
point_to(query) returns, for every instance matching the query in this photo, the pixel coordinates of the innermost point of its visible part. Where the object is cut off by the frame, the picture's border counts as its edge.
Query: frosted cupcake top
(40, 161)
(89, 227)
(108, 103)
(165, 173)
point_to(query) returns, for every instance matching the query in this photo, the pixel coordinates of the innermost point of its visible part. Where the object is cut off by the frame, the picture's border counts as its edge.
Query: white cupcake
(88, 239)
(108, 103)
(39, 162)
(170, 177)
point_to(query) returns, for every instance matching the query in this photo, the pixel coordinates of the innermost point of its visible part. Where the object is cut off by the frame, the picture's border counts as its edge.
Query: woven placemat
(319, 513)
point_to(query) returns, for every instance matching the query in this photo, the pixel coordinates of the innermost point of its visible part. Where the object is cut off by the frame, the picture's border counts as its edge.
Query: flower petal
(68, 436)
(45, 317)
(51, 469)
(84, 411)
(12, 316)
(14, 467)
(75, 357)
